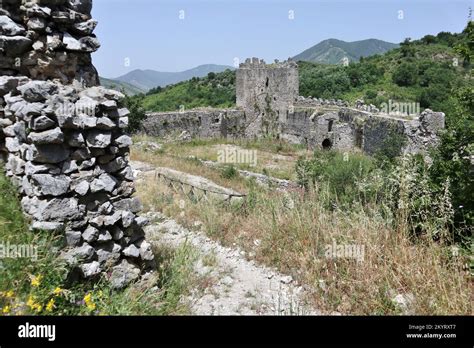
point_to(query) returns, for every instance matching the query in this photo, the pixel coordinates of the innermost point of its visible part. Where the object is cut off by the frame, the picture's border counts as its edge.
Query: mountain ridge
(333, 51)
(146, 79)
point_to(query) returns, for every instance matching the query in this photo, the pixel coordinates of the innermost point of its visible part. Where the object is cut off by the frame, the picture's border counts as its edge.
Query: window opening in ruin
(217, 120)
(266, 82)
(359, 136)
(327, 144)
(331, 122)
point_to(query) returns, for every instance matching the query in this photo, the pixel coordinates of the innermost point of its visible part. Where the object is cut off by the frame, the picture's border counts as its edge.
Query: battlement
(256, 63)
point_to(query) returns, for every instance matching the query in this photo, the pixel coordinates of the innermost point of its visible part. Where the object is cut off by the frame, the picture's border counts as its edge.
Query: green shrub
(391, 148)
(406, 74)
(229, 172)
(137, 112)
(338, 172)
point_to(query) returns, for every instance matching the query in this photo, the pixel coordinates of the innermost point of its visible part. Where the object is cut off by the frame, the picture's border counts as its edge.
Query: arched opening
(330, 124)
(327, 144)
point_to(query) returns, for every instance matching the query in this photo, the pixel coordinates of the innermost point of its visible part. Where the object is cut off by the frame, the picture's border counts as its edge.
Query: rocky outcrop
(48, 39)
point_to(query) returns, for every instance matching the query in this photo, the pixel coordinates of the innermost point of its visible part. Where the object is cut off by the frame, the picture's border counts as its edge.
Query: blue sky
(175, 35)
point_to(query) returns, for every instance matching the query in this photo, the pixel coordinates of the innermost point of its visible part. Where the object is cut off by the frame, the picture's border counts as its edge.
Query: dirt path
(241, 286)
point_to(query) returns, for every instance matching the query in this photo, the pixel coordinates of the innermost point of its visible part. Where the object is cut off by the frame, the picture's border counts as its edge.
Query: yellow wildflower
(57, 291)
(31, 302)
(6, 310)
(36, 280)
(33, 305)
(89, 303)
(50, 306)
(9, 294)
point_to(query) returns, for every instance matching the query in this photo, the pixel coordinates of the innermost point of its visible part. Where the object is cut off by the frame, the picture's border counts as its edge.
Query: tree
(407, 48)
(428, 39)
(137, 113)
(466, 47)
(406, 74)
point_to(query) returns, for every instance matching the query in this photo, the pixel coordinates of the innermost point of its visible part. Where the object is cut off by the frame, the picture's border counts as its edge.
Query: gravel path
(242, 287)
(239, 287)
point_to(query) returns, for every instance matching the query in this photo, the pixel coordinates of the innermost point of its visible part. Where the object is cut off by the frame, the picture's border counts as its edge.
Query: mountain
(333, 51)
(421, 71)
(148, 79)
(121, 86)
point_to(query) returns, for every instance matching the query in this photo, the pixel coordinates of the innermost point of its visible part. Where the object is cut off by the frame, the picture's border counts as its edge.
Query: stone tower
(266, 92)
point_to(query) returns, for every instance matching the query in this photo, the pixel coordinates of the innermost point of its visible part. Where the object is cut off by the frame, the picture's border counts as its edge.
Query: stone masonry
(48, 39)
(266, 93)
(63, 142)
(268, 105)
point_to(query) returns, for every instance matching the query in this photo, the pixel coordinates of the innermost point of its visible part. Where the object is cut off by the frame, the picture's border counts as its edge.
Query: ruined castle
(268, 105)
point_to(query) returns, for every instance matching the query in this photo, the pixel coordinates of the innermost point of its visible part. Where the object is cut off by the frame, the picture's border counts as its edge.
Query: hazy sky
(175, 35)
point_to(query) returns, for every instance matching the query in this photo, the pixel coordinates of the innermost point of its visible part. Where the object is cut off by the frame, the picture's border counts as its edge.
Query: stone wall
(323, 126)
(268, 105)
(48, 39)
(204, 123)
(63, 142)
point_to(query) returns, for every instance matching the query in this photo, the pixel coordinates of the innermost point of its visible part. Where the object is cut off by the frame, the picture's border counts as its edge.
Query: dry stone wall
(63, 139)
(48, 39)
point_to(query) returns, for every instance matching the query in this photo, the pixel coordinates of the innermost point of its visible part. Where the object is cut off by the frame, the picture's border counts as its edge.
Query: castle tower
(266, 92)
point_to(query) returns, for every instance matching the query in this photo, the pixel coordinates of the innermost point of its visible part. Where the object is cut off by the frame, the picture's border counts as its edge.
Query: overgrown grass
(292, 231)
(40, 286)
(273, 158)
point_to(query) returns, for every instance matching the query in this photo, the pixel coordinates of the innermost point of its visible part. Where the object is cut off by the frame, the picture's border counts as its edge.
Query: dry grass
(291, 231)
(294, 241)
(273, 158)
(190, 166)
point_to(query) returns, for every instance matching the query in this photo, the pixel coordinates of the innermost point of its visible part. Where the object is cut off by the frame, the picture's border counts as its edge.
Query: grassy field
(273, 158)
(293, 231)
